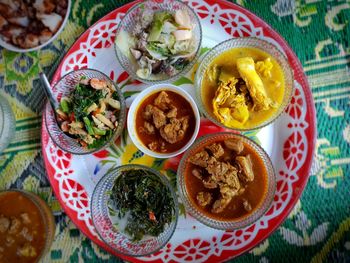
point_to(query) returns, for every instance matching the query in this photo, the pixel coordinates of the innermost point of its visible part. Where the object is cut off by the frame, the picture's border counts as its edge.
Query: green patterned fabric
(317, 230)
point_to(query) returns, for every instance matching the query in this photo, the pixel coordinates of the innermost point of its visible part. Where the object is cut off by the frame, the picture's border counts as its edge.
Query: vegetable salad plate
(289, 141)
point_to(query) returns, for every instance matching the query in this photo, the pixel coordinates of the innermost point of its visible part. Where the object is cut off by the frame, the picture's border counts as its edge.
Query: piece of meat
(216, 150)
(19, 21)
(246, 205)
(245, 163)
(231, 178)
(153, 146)
(45, 6)
(4, 224)
(15, 225)
(149, 128)
(175, 130)
(210, 183)
(26, 234)
(184, 123)
(255, 85)
(201, 158)
(162, 101)
(25, 218)
(226, 196)
(142, 43)
(220, 204)
(159, 118)
(235, 145)
(27, 250)
(204, 198)
(217, 168)
(172, 113)
(197, 173)
(147, 113)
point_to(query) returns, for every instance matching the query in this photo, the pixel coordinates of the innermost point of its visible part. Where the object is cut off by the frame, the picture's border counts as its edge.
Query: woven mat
(317, 230)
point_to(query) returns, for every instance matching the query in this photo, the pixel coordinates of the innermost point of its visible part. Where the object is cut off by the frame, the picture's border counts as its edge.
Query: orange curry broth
(13, 204)
(184, 108)
(255, 191)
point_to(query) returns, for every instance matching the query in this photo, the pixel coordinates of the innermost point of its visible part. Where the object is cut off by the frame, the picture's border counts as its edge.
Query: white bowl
(132, 116)
(11, 47)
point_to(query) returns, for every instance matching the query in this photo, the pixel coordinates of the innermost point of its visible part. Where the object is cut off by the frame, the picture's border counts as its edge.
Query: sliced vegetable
(88, 126)
(157, 25)
(65, 105)
(99, 131)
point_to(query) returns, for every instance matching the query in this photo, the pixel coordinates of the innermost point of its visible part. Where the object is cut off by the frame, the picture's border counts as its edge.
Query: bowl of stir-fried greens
(134, 209)
(158, 41)
(91, 112)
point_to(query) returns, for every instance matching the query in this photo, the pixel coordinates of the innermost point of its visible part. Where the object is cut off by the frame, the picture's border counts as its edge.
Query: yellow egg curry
(243, 87)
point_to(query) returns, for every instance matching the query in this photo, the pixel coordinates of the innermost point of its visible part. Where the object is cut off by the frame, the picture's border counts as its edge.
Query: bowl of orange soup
(27, 227)
(226, 181)
(163, 121)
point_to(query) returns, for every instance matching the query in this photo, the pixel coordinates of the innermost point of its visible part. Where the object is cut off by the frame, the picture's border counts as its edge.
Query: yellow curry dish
(244, 87)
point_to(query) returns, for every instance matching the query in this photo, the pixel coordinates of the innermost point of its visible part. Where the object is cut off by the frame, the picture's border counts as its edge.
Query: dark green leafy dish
(89, 114)
(141, 203)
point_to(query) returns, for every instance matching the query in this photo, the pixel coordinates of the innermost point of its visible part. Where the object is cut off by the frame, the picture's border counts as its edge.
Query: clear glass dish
(251, 42)
(104, 226)
(63, 88)
(7, 123)
(47, 217)
(228, 224)
(128, 23)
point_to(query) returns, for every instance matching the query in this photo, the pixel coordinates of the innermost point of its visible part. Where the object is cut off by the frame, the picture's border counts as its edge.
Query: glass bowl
(240, 222)
(104, 226)
(7, 123)
(46, 215)
(245, 42)
(131, 121)
(128, 23)
(63, 88)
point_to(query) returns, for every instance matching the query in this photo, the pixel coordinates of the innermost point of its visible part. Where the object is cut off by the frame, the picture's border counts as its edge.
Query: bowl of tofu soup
(244, 83)
(163, 121)
(226, 181)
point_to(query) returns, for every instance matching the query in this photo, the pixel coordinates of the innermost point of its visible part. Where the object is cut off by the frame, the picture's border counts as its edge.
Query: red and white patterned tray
(289, 141)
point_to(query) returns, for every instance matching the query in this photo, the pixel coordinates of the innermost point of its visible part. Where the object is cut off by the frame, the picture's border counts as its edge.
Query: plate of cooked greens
(129, 202)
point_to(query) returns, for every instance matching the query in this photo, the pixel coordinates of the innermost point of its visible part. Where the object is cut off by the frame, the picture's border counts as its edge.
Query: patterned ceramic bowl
(62, 89)
(224, 224)
(236, 43)
(128, 23)
(104, 226)
(132, 115)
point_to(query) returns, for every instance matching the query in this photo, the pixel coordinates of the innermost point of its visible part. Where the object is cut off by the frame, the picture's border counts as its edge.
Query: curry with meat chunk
(243, 87)
(23, 232)
(226, 180)
(165, 122)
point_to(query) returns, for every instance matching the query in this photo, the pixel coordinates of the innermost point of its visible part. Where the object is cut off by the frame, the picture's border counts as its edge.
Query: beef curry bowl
(163, 121)
(244, 83)
(226, 181)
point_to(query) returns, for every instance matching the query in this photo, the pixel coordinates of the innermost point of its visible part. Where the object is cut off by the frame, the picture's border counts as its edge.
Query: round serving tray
(289, 141)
